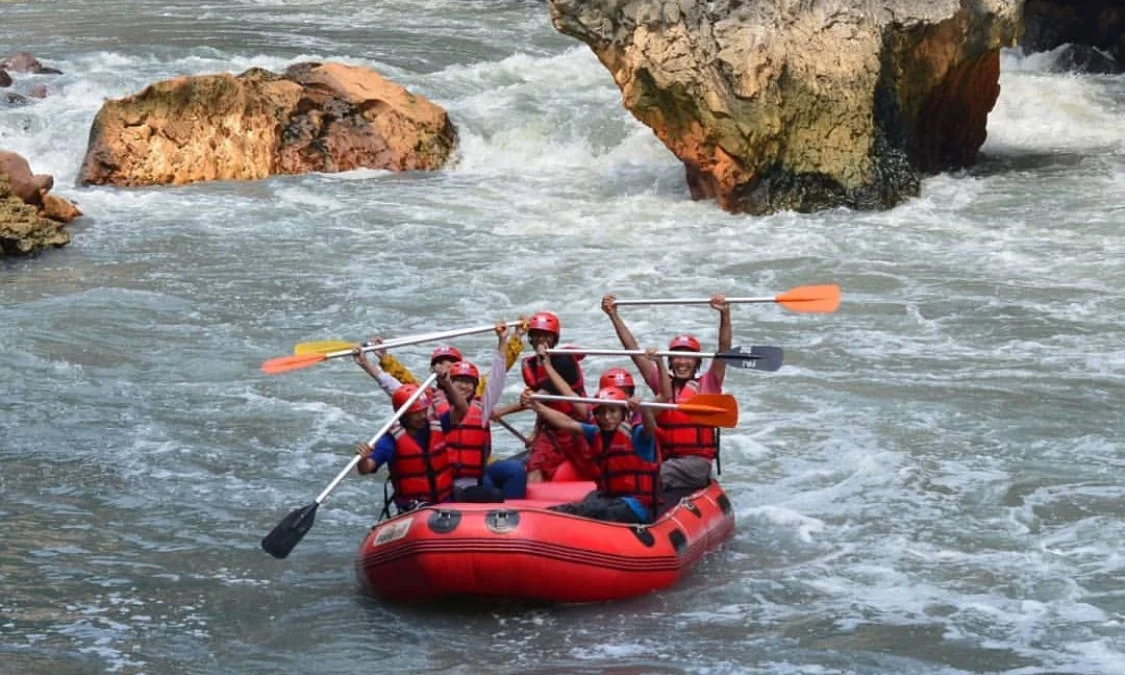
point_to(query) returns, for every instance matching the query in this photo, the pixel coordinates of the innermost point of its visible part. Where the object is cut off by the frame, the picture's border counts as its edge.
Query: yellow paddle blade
(713, 410)
(823, 299)
(283, 364)
(323, 347)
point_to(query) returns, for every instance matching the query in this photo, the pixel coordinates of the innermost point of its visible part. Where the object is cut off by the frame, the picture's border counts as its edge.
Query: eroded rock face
(30, 218)
(803, 105)
(1095, 29)
(23, 230)
(315, 117)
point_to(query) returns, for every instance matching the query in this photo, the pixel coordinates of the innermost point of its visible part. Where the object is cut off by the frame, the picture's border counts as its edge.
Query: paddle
(284, 364)
(323, 346)
(712, 410)
(758, 358)
(292, 528)
(820, 299)
(509, 427)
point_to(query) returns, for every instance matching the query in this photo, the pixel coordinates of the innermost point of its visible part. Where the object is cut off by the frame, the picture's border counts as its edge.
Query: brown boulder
(23, 231)
(24, 62)
(803, 105)
(58, 209)
(27, 187)
(315, 117)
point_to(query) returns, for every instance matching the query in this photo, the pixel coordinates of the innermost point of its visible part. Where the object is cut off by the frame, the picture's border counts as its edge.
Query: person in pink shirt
(687, 448)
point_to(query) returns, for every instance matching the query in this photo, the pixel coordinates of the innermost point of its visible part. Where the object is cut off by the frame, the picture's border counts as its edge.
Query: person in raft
(688, 449)
(628, 479)
(468, 434)
(415, 452)
(466, 427)
(549, 447)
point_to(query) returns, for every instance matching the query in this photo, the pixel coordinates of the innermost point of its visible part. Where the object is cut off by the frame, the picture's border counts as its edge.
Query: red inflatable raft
(518, 550)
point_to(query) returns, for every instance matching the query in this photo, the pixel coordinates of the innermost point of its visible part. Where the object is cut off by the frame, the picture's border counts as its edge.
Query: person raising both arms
(415, 453)
(549, 446)
(688, 449)
(468, 434)
(628, 478)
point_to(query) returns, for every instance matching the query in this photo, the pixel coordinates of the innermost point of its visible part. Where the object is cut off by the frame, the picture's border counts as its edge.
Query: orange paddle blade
(283, 364)
(713, 410)
(824, 299)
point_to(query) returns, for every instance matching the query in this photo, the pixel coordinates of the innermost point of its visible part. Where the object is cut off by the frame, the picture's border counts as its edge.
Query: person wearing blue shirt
(628, 479)
(414, 451)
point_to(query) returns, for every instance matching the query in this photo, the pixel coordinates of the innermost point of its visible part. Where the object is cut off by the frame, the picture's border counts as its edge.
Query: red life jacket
(417, 474)
(622, 472)
(535, 377)
(470, 443)
(679, 436)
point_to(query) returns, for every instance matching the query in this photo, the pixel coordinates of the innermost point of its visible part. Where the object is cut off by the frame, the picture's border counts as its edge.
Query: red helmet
(685, 342)
(616, 377)
(464, 369)
(406, 391)
(610, 394)
(445, 352)
(547, 322)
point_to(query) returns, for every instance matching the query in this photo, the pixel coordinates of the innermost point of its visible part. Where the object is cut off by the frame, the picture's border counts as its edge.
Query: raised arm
(459, 407)
(396, 369)
(718, 369)
(387, 382)
(559, 420)
(560, 383)
(648, 418)
(662, 375)
(494, 387)
(514, 346)
(643, 364)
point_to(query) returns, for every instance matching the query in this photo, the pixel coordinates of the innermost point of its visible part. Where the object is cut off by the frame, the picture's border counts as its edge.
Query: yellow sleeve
(395, 369)
(515, 347)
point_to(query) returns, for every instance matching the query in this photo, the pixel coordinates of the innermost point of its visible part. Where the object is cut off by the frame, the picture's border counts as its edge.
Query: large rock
(30, 218)
(315, 117)
(1095, 29)
(804, 105)
(23, 231)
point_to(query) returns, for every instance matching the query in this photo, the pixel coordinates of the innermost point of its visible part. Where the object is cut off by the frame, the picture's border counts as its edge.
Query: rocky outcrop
(1094, 29)
(30, 218)
(804, 105)
(23, 62)
(314, 117)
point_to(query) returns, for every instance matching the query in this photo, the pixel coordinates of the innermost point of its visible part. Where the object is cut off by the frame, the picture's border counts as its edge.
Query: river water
(931, 485)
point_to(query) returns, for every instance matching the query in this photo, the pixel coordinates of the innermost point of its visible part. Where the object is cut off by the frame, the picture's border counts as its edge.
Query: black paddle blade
(758, 358)
(289, 532)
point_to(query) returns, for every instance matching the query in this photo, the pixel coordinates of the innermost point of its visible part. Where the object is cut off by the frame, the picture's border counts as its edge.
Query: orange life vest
(470, 443)
(679, 436)
(420, 474)
(621, 471)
